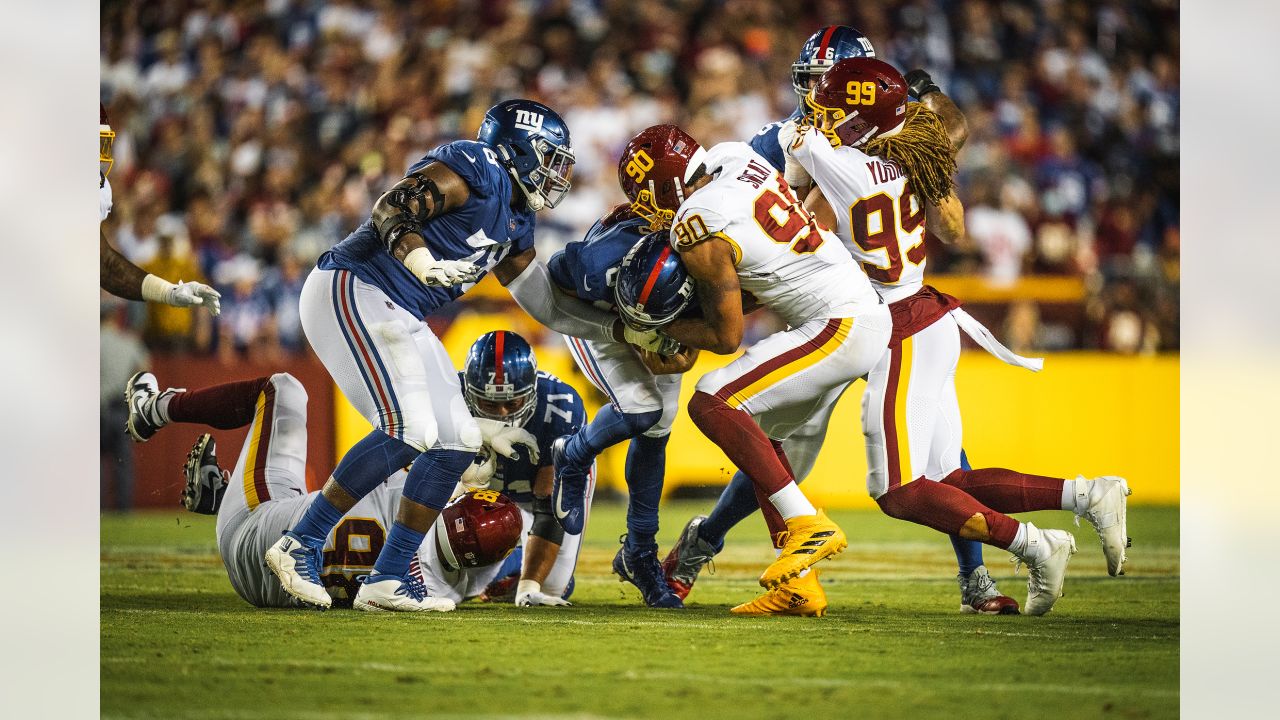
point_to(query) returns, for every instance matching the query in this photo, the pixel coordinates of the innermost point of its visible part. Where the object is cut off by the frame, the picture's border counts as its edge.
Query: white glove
(481, 470)
(793, 172)
(529, 594)
(504, 439)
(652, 340)
(440, 273)
(184, 294)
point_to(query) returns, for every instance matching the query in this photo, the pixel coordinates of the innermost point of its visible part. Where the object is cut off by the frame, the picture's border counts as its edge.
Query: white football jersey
(878, 218)
(104, 200)
(784, 259)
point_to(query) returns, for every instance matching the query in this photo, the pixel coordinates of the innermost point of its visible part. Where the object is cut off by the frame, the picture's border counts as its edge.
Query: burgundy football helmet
(654, 169)
(858, 100)
(478, 528)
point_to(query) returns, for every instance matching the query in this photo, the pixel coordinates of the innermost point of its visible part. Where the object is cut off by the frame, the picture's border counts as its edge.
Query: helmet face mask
(106, 138)
(501, 378)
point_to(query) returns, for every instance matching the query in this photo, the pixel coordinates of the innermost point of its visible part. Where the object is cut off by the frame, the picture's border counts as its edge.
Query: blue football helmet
(501, 378)
(532, 142)
(652, 286)
(825, 48)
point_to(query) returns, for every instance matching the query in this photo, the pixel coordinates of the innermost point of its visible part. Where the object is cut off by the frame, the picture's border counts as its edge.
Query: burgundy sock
(1009, 491)
(946, 509)
(224, 407)
(742, 440)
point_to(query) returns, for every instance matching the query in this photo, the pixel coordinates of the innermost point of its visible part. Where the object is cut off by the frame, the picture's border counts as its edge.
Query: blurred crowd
(253, 135)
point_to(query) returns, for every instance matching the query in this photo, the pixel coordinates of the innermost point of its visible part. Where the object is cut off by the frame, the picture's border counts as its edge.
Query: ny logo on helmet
(529, 120)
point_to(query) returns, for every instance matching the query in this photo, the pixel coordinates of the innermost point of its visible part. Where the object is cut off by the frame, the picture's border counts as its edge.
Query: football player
(875, 155)
(116, 274)
(703, 536)
(741, 232)
(643, 390)
(465, 209)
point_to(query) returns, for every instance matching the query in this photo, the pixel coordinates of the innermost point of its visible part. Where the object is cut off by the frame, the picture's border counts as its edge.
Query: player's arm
(400, 213)
(541, 546)
(816, 203)
(946, 219)
(529, 282)
(123, 279)
(711, 265)
(923, 87)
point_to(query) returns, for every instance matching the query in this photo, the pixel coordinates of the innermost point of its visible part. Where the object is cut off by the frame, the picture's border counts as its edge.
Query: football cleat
(978, 595)
(206, 482)
(639, 566)
(807, 540)
(1046, 558)
(140, 395)
(569, 490)
(687, 558)
(393, 593)
(297, 566)
(798, 596)
(1107, 499)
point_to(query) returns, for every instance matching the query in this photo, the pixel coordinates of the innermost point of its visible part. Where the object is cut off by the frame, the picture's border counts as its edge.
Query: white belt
(988, 342)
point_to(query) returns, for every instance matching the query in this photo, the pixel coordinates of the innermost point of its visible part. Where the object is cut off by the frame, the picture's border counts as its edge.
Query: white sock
(162, 406)
(1019, 544)
(1075, 495)
(791, 502)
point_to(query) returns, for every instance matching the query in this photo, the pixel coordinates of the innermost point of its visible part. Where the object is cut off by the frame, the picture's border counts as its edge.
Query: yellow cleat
(809, 539)
(799, 596)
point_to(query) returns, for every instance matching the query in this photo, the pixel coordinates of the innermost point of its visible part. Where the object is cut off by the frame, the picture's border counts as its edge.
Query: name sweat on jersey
(589, 267)
(483, 230)
(783, 258)
(559, 411)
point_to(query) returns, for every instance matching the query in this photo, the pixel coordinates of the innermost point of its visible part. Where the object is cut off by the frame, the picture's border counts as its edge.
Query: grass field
(178, 642)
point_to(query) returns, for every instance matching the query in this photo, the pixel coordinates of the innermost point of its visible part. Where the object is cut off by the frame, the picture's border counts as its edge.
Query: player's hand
(186, 294)
(480, 471)
(790, 136)
(447, 273)
(650, 340)
(504, 439)
(674, 364)
(539, 598)
(920, 84)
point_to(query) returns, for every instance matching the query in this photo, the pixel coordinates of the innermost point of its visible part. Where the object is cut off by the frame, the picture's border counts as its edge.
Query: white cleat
(140, 395)
(392, 593)
(298, 569)
(1107, 501)
(1046, 558)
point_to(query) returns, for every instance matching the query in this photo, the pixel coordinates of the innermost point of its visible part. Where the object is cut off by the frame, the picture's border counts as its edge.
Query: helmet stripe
(653, 274)
(497, 357)
(822, 49)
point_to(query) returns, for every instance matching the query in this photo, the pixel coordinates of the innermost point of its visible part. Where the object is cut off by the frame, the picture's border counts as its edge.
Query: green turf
(178, 642)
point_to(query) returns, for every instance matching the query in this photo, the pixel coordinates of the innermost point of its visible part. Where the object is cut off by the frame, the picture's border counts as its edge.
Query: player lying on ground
(464, 209)
(643, 390)
(740, 231)
(703, 536)
(268, 494)
(874, 154)
(116, 274)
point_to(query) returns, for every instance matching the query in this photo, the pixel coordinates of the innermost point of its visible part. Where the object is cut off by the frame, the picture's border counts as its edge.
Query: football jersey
(559, 411)
(766, 143)
(878, 218)
(589, 267)
(484, 230)
(104, 200)
(786, 261)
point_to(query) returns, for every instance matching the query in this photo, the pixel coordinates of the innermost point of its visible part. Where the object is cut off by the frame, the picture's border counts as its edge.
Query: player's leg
(559, 580)
(225, 407)
(635, 406)
(430, 483)
(364, 342)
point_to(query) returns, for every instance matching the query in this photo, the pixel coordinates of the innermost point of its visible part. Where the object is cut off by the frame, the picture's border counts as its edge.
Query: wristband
(417, 261)
(155, 289)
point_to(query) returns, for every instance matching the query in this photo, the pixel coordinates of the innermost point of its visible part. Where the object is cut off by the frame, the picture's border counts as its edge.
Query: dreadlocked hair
(924, 152)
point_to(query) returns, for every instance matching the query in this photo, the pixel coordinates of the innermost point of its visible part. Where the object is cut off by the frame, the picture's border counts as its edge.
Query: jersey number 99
(893, 220)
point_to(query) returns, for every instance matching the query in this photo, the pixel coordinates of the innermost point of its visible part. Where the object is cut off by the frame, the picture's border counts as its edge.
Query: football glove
(529, 594)
(184, 294)
(481, 470)
(440, 273)
(503, 440)
(650, 340)
(920, 84)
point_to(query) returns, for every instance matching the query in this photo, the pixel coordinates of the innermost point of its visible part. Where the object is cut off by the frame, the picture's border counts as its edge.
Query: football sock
(434, 475)
(1075, 495)
(737, 502)
(320, 518)
(646, 463)
(772, 518)
(791, 502)
(1009, 491)
(945, 508)
(224, 407)
(738, 435)
(401, 545)
(370, 462)
(1019, 544)
(608, 428)
(968, 552)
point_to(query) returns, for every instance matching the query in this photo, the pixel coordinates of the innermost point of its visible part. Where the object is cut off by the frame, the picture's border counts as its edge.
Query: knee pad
(418, 431)
(289, 390)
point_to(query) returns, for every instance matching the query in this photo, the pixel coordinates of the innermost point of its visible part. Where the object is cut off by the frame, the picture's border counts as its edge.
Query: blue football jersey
(559, 412)
(589, 266)
(484, 230)
(765, 142)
